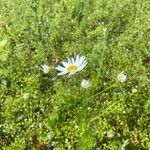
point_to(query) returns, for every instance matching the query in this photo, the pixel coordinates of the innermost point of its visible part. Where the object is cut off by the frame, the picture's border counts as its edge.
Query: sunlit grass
(104, 105)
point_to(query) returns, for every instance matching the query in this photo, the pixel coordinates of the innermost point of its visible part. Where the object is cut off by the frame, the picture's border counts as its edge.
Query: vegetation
(44, 111)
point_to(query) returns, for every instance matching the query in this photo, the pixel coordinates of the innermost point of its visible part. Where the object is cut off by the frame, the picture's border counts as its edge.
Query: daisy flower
(72, 65)
(45, 68)
(85, 84)
(122, 77)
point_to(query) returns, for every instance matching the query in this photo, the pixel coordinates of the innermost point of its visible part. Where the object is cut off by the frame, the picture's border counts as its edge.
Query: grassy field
(42, 111)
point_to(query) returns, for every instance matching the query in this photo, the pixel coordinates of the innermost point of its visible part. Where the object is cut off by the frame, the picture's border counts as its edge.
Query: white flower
(122, 77)
(45, 68)
(85, 84)
(72, 65)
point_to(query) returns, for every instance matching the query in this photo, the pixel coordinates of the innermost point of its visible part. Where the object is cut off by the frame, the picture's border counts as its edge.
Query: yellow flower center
(72, 68)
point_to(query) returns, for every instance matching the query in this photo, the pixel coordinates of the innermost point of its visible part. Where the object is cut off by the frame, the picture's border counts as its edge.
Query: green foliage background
(43, 111)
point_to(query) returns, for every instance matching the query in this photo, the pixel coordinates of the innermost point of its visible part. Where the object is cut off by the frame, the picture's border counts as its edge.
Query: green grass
(43, 111)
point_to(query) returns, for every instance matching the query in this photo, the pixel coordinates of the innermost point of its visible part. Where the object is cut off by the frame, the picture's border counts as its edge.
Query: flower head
(45, 68)
(72, 65)
(85, 84)
(122, 77)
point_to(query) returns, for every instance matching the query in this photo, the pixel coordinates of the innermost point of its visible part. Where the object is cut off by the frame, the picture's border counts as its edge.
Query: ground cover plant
(100, 101)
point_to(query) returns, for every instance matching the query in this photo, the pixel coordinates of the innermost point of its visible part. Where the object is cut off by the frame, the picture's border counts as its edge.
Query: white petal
(81, 60)
(60, 68)
(82, 63)
(65, 64)
(72, 72)
(77, 59)
(61, 73)
(69, 61)
(82, 66)
(73, 61)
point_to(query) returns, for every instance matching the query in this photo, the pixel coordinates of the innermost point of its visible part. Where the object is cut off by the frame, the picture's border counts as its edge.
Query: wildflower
(72, 65)
(45, 68)
(85, 84)
(122, 77)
